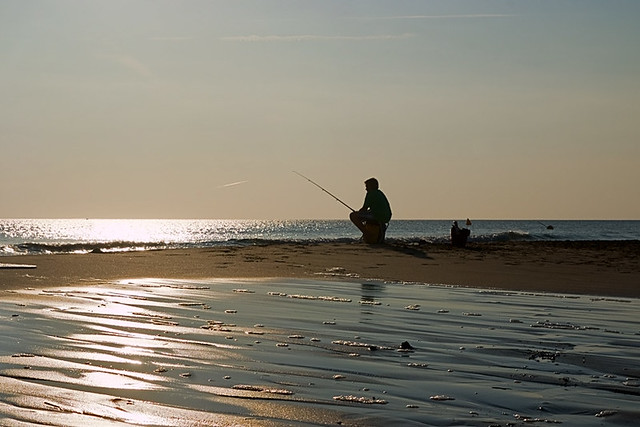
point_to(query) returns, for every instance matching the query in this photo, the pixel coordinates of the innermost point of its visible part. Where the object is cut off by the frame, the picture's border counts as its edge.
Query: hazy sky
(202, 109)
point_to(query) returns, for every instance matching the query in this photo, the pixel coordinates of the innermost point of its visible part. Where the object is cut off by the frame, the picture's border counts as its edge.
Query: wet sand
(326, 334)
(314, 352)
(594, 268)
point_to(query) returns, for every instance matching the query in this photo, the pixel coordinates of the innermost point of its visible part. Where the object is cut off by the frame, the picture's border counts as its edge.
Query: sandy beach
(323, 334)
(596, 268)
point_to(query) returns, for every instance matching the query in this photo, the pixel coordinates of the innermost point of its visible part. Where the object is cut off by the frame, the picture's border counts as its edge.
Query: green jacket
(376, 202)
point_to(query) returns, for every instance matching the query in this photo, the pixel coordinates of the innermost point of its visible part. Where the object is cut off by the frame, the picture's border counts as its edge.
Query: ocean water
(43, 236)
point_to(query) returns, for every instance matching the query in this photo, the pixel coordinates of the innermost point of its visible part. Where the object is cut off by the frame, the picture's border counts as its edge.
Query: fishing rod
(298, 173)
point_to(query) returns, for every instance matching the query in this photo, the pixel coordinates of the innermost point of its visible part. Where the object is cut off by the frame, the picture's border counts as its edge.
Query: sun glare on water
(127, 230)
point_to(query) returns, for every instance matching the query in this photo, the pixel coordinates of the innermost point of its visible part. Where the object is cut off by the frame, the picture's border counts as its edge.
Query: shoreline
(599, 268)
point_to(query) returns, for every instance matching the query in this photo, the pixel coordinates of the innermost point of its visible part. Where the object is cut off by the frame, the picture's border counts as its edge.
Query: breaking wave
(118, 246)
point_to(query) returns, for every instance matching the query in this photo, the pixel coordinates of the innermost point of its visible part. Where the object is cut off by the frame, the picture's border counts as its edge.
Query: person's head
(371, 184)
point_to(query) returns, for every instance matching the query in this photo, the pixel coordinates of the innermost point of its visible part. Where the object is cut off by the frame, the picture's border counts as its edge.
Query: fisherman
(459, 235)
(374, 215)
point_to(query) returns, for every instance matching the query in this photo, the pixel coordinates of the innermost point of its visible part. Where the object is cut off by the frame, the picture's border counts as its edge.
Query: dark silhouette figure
(459, 235)
(374, 215)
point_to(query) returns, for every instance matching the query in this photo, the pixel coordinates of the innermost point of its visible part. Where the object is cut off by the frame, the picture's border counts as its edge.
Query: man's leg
(358, 220)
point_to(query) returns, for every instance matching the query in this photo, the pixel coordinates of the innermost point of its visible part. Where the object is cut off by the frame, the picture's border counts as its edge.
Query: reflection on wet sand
(269, 352)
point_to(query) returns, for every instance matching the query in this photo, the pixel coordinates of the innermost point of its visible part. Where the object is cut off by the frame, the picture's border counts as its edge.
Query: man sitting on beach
(459, 235)
(374, 215)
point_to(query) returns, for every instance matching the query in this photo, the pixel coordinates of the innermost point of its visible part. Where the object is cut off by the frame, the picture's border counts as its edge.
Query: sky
(482, 109)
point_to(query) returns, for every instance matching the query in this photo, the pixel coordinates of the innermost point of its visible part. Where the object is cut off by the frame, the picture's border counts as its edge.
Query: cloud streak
(134, 65)
(170, 39)
(129, 63)
(233, 184)
(417, 17)
(311, 37)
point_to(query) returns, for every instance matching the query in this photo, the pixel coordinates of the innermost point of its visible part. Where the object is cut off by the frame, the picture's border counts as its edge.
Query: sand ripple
(154, 352)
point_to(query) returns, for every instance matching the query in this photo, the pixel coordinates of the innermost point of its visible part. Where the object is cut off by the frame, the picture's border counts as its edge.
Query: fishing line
(317, 185)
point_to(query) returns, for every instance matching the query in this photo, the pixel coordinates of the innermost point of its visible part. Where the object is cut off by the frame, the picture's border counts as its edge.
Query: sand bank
(596, 268)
